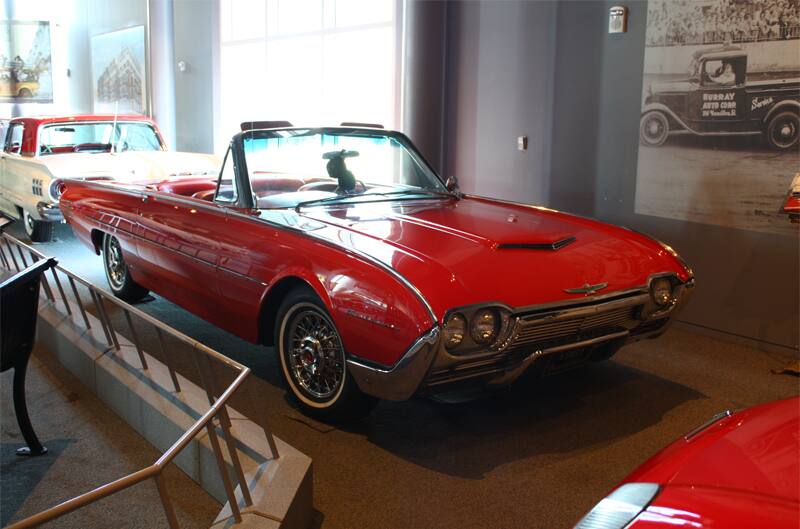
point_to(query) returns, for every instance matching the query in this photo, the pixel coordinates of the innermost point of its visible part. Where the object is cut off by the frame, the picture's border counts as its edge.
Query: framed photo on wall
(719, 131)
(119, 74)
(26, 70)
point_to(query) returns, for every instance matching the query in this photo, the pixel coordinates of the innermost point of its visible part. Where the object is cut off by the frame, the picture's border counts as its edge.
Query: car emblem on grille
(586, 289)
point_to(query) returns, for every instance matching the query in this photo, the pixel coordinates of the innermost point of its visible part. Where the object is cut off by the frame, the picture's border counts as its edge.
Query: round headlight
(661, 290)
(454, 330)
(483, 327)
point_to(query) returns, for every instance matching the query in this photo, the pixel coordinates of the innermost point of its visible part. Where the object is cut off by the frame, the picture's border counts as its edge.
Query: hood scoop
(555, 245)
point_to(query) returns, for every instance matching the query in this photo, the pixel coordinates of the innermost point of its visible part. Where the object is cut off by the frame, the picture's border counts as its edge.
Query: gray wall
(500, 64)
(748, 282)
(500, 58)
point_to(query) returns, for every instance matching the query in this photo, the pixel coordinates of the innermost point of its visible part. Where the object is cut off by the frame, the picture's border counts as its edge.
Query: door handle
(145, 198)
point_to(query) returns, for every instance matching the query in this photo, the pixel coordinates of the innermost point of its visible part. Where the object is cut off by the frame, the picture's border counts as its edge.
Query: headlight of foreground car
(484, 325)
(454, 330)
(661, 291)
(619, 508)
(476, 328)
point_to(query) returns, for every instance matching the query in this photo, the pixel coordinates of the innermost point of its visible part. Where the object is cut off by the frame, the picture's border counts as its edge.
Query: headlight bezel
(469, 344)
(480, 318)
(453, 317)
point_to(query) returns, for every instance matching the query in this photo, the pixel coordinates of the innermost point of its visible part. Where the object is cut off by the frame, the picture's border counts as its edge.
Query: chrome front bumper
(584, 327)
(49, 212)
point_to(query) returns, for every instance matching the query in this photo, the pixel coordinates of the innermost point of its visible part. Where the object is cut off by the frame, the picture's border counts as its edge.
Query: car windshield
(97, 137)
(294, 167)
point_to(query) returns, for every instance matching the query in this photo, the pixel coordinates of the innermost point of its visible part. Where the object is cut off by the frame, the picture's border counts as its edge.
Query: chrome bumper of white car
(601, 328)
(49, 212)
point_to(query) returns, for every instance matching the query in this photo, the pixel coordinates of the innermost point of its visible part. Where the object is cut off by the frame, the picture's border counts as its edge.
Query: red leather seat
(208, 194)
(186, 186)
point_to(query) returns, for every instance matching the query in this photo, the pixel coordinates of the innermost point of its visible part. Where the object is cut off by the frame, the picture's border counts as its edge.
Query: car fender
(378, 315)
(661, 107)
(18, 183)
(786, 104)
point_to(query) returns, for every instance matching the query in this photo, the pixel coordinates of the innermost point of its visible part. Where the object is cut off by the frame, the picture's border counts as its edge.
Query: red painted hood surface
(743, 471)
(451, 250)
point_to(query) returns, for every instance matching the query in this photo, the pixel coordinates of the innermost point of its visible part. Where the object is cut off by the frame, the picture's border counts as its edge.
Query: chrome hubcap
(28, 223)
(114, 263)
(316, 358)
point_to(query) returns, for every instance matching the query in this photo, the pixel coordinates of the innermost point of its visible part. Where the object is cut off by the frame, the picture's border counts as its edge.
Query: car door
(11, 188)
(718, 102)
(177, 236)
(244, 267)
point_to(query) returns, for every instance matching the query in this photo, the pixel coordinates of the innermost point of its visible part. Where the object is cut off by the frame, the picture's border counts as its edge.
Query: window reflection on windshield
(97, 137)
(329, 164)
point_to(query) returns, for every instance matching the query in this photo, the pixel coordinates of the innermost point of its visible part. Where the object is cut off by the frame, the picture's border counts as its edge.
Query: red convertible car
(371, 275)
(739, 470)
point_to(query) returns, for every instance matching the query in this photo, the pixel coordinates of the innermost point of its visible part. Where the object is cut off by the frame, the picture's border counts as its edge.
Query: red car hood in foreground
(459, 252)
(743, 471)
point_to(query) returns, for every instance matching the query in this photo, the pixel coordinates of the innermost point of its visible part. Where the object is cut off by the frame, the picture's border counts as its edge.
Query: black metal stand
(19, 304)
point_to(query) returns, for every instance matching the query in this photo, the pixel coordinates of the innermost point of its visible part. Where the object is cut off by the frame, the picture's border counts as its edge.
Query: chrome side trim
(402, 380)
(114, 229)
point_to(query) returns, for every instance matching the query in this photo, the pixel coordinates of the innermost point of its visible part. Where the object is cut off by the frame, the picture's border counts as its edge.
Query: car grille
(547, 334)
(537, 333)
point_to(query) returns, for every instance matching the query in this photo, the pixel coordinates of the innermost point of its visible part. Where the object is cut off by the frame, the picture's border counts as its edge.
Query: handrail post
(169, 510)
(223, 471)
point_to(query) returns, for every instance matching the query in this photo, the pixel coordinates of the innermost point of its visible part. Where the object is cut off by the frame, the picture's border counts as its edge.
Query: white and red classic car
(39, 153)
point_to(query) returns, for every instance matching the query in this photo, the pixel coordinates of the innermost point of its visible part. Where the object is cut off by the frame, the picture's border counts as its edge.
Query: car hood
(754, 451)
(131, 166)
(472, 250)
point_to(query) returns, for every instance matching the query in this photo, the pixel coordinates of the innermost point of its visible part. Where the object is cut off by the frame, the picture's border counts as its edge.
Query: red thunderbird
(371, 275)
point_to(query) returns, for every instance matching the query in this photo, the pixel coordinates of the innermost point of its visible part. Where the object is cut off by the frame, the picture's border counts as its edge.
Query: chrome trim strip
(206, 205)
(429, 338)
(716, 418)
(115, 229)
(583, 343)
(402, 380)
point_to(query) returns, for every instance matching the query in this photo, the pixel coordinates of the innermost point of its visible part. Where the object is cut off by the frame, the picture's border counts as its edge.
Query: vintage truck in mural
(720, 98)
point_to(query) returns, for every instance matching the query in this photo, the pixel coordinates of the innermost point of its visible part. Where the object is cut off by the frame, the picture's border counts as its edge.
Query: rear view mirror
(451, 183)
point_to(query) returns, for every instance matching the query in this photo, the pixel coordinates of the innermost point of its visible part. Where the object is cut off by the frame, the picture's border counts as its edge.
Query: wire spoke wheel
(115, 265)
(315, 354)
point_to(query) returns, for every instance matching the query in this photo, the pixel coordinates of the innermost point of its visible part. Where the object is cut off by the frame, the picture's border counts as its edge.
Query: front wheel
(313, 361)
(37, 230)
(117, 273)
(653, 129)
(782, 131)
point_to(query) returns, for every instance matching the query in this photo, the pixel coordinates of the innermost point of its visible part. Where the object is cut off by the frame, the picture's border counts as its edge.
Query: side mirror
(451, 184)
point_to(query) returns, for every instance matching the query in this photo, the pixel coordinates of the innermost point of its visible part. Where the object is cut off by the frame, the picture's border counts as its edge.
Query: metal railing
(216, 417)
